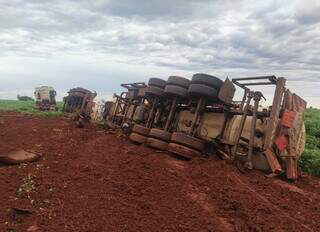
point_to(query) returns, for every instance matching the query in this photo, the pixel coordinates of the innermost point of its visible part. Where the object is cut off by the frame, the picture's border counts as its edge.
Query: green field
(26, 107)
(309, 162)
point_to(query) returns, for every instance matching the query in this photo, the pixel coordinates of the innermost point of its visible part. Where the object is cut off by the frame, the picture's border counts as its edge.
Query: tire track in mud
(201, 199)
(162, 183)
(270, 205)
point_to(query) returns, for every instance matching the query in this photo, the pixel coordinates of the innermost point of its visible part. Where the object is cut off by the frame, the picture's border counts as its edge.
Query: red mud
(88, 180)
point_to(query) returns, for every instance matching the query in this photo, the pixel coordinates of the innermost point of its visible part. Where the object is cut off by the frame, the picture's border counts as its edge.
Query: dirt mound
(88, 180)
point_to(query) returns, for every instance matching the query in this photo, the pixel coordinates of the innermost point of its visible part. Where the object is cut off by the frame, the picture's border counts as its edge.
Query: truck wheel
(157, 144)
(134, 137)
(199, 90)
(183, 151)
(187, 140)
(153, 91)
(208, 80)
(142, 130)
(157, 82)
(176, 91)
(160, 134)
(179, 81)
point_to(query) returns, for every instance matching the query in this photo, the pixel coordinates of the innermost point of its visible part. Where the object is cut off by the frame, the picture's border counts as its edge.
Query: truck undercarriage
(200, 117)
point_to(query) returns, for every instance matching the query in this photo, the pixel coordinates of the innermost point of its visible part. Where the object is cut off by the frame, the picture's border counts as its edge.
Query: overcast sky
(100, 44)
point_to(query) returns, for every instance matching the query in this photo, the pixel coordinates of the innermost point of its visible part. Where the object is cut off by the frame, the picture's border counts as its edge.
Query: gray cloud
(308, 12)
(227, 38)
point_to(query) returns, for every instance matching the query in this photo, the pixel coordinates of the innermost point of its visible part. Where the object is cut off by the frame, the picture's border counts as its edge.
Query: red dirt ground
(89, 180)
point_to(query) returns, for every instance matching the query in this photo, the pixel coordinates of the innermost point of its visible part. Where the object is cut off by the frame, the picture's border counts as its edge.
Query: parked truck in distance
(45, 98)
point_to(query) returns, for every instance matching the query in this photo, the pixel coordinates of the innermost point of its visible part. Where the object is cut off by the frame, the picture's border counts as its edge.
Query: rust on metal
(273, 161)
(171, 113)
(80, 101)
(257, 98)
(275, 111)
(200, 105)
(288, 118)
(281, 143)
(242, 123)
(237, 129)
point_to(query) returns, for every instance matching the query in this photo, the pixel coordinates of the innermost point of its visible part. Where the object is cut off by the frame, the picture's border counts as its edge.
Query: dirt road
(88, 180)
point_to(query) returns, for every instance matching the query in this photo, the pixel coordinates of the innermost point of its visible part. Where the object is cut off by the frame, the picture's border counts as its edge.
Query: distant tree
(24, 98)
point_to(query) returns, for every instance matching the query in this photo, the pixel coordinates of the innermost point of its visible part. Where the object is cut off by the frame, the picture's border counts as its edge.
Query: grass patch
(26, 107)
(310, 160)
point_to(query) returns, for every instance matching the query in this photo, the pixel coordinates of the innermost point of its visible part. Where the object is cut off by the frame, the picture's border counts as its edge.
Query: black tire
(185, 152)
(142, 130)
(208, 80)
(157, 82)
(198, 90)
(160, 134)
(180, 81)
(188, 141)
(157, 144)
(153, 91)
(175, 90)
(137, 138)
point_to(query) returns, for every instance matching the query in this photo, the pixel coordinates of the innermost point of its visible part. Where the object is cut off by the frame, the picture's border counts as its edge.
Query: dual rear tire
(183, 151)
(177, 87)
(204, 85)
(158, 139)
(177, 143)
(155, 87)
(139, 134)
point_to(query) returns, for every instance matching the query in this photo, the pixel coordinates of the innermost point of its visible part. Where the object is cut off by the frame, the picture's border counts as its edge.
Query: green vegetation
(26, 107)
(24, 98)
(310, 160)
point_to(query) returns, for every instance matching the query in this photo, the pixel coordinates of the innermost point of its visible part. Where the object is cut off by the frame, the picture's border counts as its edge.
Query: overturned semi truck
(199, 116)
(79, 101)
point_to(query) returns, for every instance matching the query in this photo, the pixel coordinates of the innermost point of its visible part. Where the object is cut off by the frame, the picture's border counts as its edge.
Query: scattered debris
(80, 123)
(17, 157)
(28, 186)
(22, 211)
(33, 228)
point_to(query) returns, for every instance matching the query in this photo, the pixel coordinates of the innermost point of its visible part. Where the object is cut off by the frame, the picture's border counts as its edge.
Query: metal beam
(275, 111)
(272, 80)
